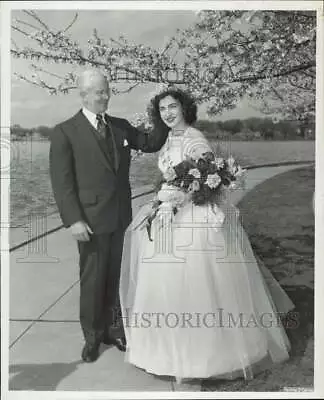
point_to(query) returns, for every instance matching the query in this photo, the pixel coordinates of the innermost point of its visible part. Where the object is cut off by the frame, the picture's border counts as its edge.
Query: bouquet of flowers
(200, 181)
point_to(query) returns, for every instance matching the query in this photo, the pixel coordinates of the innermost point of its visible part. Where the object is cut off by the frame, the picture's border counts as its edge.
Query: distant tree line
(258, 129)
(235, 129)
(41, 132)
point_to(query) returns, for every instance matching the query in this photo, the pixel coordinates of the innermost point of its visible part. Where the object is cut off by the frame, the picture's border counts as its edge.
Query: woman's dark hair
(188, 104)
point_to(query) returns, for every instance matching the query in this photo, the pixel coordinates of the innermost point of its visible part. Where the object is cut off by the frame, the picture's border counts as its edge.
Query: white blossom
(219, 162)
(238, 43)
(213, 180)
(194, 186)
(195, 173)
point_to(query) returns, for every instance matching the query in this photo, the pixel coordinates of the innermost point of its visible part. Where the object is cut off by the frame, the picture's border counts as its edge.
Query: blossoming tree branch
(267, 56)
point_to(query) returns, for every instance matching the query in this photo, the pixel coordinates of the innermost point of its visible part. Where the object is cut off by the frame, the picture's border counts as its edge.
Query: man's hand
(80, 231)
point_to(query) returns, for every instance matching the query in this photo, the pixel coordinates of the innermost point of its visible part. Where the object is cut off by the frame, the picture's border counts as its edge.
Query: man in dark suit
(89, 169)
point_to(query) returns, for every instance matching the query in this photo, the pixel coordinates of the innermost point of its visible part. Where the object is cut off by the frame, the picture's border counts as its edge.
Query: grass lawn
(278, 217)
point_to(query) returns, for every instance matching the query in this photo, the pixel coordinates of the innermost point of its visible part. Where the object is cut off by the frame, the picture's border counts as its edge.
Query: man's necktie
(106, 136)
(101, 126)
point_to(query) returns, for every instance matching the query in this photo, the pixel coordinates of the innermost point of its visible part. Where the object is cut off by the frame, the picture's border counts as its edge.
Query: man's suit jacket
(85, 184)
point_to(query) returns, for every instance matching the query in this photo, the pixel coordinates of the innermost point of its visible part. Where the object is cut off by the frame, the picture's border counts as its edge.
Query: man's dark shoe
(120, 343)
(90, 353)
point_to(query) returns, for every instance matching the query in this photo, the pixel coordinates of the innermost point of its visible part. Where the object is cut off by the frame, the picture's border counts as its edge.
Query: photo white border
(6, 7)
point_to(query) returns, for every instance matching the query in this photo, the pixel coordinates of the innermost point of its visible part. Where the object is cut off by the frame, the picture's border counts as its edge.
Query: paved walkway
(45, 335)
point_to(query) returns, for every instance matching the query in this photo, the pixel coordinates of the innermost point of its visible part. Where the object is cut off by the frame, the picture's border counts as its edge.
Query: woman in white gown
(195, 301)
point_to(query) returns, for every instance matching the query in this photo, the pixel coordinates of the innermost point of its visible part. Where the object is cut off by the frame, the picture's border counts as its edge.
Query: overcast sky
(32, 106)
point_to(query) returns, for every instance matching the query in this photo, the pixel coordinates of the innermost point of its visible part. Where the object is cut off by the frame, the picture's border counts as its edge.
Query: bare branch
(275, 91)
(44, 85)
(23, 78)
(72, 22)
(128, 89)
(282, 73)
(19, 21)
(57, 58)
(15, 28)
(67, 88)
(33, 14)
(112, 40)
(39, 69)
(167, 46)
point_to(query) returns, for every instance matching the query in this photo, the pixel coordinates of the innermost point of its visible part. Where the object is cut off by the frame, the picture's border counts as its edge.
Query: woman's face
(171, 112)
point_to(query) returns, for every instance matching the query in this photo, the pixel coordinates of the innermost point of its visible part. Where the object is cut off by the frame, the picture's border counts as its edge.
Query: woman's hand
(169, 174)
(172, 195)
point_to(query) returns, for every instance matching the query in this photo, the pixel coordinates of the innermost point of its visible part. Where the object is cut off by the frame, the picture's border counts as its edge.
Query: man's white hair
(86, 78)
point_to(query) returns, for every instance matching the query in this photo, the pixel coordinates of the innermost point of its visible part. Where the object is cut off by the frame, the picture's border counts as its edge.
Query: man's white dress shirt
(92, 118)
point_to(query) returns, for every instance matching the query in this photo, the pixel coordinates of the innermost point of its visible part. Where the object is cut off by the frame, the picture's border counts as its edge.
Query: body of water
(31, 188)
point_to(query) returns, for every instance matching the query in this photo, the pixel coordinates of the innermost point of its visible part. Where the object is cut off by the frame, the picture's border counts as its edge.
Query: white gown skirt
(195, 301)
